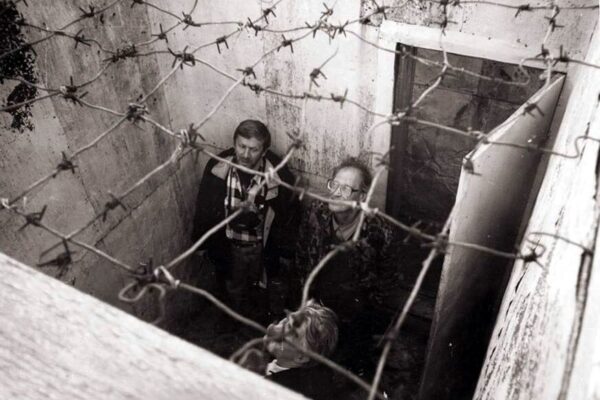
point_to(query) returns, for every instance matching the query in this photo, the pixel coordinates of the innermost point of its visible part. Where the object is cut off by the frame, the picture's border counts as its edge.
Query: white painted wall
(331, 133)
(368, 74)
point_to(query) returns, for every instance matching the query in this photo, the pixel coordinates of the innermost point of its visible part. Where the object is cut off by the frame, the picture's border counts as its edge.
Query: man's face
(346, 180)
(248, 151)
(292, 328)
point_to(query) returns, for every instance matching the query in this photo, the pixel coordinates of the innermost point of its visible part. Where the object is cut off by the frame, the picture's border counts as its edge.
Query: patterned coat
(355, 279)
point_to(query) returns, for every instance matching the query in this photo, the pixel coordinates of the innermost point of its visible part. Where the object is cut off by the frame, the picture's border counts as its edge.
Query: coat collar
(221, 169)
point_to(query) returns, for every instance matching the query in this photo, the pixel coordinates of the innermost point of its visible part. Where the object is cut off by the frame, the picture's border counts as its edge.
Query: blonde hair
(321, 333)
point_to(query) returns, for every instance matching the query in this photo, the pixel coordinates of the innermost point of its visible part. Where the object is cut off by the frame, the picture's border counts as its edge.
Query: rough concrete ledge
(56, 342)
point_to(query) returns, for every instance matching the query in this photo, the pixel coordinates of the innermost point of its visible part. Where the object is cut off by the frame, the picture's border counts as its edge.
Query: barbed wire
(85, 14)
(391, 335)
(146, 277)
(328, 28)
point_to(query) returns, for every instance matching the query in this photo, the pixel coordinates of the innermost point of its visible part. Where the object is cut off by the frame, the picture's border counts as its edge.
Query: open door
(491, 204)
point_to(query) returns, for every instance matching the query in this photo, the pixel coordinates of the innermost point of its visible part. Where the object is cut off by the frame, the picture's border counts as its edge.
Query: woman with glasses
(351, 283)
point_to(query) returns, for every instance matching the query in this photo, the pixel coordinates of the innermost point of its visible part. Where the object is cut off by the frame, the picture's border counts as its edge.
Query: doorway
(426, 165)
(425, 161)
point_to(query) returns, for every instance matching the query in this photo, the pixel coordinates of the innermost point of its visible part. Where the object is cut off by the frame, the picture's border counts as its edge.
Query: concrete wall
(331, 133)
(159, 213)
(60, 343)
(545, 344)
(159, 218)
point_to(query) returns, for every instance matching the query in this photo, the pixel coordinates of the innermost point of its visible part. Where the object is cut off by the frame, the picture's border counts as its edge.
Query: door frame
(390, 34)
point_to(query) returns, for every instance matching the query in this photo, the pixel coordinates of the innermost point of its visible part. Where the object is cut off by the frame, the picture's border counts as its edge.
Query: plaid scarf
(247, 227)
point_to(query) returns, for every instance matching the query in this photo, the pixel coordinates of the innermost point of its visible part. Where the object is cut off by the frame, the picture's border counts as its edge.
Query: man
(261, 235)
(351, 283)
(312, 327)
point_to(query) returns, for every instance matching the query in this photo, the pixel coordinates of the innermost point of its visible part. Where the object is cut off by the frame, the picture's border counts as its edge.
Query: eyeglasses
(345, 190)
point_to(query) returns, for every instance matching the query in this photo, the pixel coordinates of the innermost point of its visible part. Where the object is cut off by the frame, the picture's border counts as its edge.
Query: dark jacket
(355, 280)
(353, 283)
(210, 210)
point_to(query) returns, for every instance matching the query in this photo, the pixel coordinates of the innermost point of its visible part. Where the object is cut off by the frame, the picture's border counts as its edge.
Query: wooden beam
(59, 343)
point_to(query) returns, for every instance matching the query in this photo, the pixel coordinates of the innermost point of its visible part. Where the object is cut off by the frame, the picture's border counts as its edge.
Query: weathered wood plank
(58, 343)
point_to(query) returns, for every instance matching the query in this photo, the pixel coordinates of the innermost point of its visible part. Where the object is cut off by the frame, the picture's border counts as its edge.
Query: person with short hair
(258, 238)
(313, 327)
(353, 282)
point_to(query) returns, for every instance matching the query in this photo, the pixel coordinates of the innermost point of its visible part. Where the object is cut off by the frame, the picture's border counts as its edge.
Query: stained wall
(545, 342)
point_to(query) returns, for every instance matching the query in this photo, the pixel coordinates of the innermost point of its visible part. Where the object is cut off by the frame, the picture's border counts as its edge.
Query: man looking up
(312, 327)
(261, 235)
